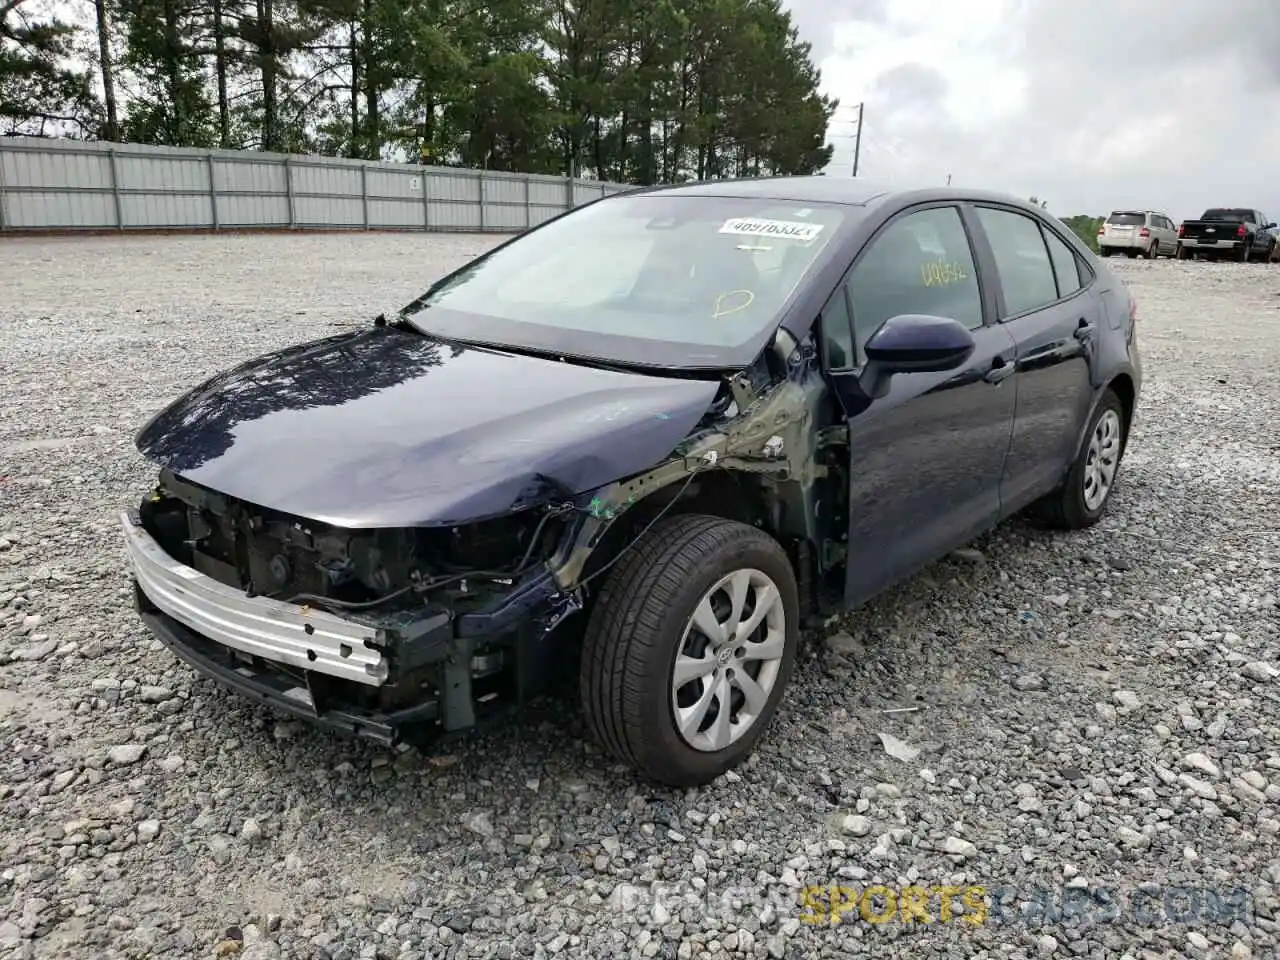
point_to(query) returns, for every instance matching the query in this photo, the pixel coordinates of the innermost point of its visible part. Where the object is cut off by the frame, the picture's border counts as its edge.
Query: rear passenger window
(1064, 265)
(1022, 261)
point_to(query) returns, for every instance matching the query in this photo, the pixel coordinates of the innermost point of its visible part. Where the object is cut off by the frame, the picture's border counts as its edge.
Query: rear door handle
(1000, 368)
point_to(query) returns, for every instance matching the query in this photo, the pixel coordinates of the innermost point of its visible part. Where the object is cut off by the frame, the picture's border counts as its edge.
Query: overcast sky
(1171, 105)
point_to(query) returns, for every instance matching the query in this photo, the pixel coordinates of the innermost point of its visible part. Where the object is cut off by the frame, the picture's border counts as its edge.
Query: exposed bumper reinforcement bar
(300, 637)
(214, 662)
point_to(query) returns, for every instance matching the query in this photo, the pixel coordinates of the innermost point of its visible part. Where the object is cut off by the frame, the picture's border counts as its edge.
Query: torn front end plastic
(388, 634)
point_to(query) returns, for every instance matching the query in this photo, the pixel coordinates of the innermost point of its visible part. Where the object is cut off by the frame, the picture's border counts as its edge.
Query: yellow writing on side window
(878, 904)
(939, 273)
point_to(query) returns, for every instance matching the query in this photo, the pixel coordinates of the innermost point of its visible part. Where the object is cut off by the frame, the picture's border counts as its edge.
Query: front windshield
(663, 280)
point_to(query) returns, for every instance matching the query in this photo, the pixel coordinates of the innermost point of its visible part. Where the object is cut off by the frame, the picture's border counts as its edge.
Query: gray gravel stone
(126, 754)
(856, 825)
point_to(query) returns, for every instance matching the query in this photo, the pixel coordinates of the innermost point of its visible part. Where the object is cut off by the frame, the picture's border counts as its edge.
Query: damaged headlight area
(390, 634)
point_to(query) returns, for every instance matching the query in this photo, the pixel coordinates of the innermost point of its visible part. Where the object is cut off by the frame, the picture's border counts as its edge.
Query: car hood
(385, 428)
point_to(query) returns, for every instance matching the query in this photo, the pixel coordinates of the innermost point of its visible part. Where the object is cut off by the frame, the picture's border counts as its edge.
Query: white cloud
(1090, 104)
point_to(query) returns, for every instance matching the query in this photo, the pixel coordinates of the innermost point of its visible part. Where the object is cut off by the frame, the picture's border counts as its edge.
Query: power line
(857, 138)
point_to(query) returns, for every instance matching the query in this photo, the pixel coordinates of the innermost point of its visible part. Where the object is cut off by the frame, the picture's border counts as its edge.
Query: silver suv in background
(1146, 232)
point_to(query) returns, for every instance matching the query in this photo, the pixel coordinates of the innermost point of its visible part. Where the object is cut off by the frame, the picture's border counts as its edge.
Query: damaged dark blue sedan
(645, 442)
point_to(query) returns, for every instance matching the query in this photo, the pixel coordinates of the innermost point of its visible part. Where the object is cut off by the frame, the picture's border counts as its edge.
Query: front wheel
(1082, 499)
(689, 647)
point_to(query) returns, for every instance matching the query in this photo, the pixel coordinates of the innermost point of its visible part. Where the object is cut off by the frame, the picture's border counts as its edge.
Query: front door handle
(1000, 368)
(1085, 330)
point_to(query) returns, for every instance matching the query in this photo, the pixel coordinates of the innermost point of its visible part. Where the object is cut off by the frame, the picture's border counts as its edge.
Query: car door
(927, 457)
(1055, 322)
(1261, 235)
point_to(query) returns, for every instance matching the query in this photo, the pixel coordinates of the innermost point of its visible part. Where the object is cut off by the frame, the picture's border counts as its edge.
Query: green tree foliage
(39, 93)
(171, 105)
(640, 91)
(1086, 228)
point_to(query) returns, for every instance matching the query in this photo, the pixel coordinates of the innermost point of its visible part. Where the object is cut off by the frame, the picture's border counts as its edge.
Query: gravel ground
(1070, 714)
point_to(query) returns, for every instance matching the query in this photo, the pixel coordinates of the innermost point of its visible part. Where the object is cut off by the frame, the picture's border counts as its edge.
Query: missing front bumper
(414, 676)
(300, 637)
(259, 682)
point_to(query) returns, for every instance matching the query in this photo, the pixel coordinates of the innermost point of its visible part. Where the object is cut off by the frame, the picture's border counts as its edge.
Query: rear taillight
(1144, 232)
(1182, 230)
(1102, 229)
(1241, 231)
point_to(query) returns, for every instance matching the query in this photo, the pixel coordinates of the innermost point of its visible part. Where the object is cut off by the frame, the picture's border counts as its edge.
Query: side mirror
(914, 343)
(1270, 226)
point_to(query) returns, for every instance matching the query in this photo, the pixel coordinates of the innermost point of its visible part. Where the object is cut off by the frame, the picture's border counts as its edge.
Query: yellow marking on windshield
(719, 310)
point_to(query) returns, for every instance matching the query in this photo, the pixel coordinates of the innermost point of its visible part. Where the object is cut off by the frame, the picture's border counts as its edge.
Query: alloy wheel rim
(729, 660)
(1101, 460)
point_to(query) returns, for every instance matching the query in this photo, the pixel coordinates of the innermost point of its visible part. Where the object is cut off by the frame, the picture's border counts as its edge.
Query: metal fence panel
(165, 211)
(396, 213)
(542, 213)
(253, 211)
(326, 180)
(33, 210)
(548, 194)
(462, 186)
(66, 185)
(329, 211)
(454, 216)
(241, 177)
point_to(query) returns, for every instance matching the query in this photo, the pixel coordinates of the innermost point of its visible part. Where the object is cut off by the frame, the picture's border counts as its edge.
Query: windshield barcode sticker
(787, 229)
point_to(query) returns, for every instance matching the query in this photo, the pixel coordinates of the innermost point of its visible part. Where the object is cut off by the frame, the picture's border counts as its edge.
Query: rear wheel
(1104, 251)
(689, 647)
(1242, 254)
(1153, 251)
(1082, 499)
(1181, 252)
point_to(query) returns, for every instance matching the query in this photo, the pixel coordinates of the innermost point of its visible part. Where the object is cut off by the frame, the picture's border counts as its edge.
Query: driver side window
(922, 263)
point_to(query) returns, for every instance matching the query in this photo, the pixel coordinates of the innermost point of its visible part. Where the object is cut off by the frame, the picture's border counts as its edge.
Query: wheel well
(720, 493)
(1123, 387)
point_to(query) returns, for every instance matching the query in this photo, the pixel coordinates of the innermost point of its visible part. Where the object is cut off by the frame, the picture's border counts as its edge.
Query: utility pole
(857, 143)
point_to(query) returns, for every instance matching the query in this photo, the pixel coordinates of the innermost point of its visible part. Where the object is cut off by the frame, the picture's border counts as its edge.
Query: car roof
(852, 191)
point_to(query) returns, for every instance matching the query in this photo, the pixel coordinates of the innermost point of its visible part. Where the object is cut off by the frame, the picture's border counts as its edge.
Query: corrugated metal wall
(73, 185)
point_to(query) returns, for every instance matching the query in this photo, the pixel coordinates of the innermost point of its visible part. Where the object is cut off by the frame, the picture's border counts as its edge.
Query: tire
(1181, 253)
(1104, 251)
(1132, 254)
(1153, 251)
(1242, 255)
(1071, 507)
(644, 617)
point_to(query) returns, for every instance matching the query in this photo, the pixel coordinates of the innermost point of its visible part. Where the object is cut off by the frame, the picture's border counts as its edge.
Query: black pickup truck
(1229, 232)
